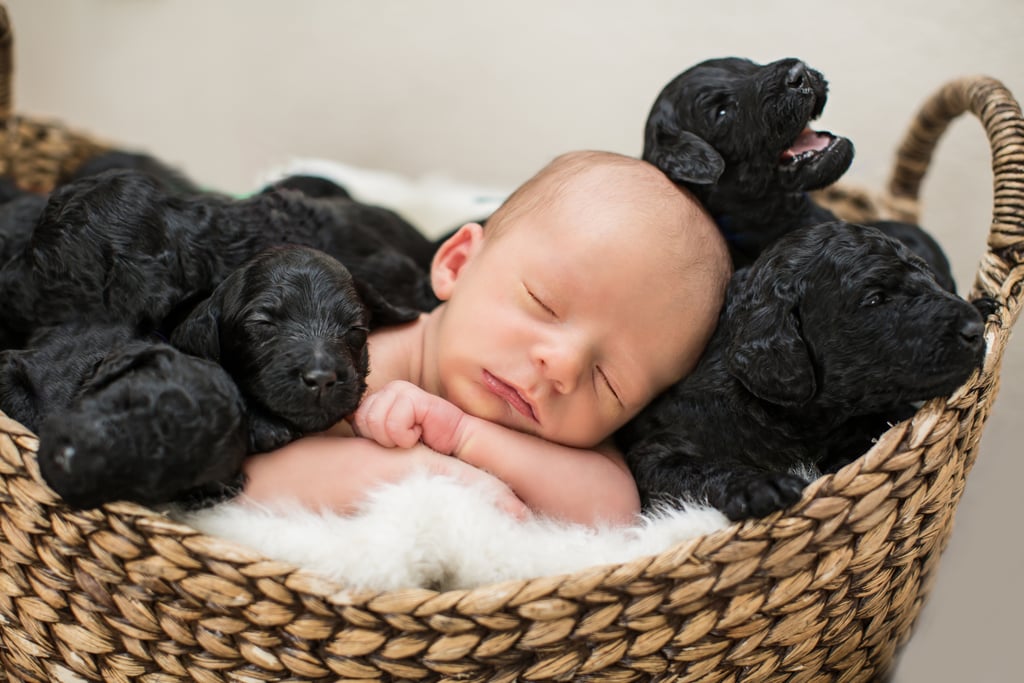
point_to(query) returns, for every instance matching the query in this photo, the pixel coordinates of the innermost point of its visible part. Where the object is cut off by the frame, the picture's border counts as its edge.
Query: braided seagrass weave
(824, 591)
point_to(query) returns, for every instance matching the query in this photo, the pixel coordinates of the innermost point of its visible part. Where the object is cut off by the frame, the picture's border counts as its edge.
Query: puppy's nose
(63, 458)
(796, 77)
(973, 332)
(319, 378)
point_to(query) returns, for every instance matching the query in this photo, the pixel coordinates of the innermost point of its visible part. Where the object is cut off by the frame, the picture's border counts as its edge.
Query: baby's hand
(402, 414)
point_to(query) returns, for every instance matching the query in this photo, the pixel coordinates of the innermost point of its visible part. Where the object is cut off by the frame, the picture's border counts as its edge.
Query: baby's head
(594, 287)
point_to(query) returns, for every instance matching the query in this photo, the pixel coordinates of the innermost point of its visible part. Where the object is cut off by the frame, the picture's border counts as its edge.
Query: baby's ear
(452, 256)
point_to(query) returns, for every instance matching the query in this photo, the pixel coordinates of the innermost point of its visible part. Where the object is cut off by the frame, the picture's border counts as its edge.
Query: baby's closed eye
(608, 386)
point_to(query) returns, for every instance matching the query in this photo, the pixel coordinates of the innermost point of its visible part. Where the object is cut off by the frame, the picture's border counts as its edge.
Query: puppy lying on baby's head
(125, 418)
(738, 135)
(290, 326)
(834, 330)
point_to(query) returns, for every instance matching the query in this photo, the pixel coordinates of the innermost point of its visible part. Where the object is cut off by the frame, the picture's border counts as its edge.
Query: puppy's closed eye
(260, 320)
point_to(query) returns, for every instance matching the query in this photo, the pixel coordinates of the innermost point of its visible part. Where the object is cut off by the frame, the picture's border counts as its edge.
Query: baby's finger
(369, 420)
(401, 424)
(358, 418)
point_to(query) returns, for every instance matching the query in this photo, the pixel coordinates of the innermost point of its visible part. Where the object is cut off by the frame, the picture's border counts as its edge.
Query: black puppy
(396, 231)
(168, 178)
(737, 134)
(118, 247)
(124, 418)
(290, 326)
(832, 328)
(19, 209)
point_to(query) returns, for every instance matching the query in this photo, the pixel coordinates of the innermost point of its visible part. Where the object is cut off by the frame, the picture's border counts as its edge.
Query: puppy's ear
(382, 312)
(681, 155)
(123, 360)
(199, 333)
(766, 352)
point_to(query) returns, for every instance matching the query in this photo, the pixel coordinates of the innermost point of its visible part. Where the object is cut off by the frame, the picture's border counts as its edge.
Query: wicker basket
(824, 591)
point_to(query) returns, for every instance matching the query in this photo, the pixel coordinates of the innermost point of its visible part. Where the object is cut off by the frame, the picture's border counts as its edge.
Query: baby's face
(566, 328)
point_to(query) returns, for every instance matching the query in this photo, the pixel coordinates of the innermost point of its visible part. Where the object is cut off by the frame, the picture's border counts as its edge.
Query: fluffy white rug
(432, 532)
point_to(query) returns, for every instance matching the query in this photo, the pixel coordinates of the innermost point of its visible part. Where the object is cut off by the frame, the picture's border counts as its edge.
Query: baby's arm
(579, 485)
(335, 473)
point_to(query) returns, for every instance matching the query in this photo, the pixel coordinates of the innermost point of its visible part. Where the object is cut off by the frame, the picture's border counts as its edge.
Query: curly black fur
(124, 418)
(290, 326)
(834, 330)
(18, 214)
(118, 247)
(727, 129)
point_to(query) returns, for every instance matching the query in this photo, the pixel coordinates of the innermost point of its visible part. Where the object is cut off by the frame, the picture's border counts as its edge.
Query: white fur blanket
(430, 531)
(434, 203)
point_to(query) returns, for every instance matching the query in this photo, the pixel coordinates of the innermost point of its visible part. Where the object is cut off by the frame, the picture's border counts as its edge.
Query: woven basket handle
(1001, 270)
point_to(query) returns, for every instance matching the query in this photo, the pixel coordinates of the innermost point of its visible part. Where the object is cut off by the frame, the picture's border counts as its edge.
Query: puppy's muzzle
(320, 374)
(319, 379)
(972, 335)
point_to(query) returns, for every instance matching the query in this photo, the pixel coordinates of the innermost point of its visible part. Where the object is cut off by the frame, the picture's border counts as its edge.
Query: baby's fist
(401, 414)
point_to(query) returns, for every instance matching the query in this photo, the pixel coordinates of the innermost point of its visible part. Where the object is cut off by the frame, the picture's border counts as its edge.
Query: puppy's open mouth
(808, 145)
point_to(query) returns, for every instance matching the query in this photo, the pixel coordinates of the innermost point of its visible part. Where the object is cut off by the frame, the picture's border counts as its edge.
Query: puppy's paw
(986, 305)
(211, 494)
(267, 435)
(759, 494)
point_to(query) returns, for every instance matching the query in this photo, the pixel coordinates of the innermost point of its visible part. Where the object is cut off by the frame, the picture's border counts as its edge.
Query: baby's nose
(562, 364)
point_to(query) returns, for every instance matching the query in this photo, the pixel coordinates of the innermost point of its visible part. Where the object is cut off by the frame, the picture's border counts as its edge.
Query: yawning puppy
(835, 329)
(737, 134)
(290, 326)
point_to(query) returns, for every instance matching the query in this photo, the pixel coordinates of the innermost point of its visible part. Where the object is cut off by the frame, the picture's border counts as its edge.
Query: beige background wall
(486, 92)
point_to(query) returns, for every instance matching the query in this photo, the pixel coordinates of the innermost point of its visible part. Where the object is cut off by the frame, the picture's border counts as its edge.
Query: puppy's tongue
(808, 141)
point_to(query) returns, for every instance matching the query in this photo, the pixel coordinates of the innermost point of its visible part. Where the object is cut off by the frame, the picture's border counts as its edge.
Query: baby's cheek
(583, 429)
